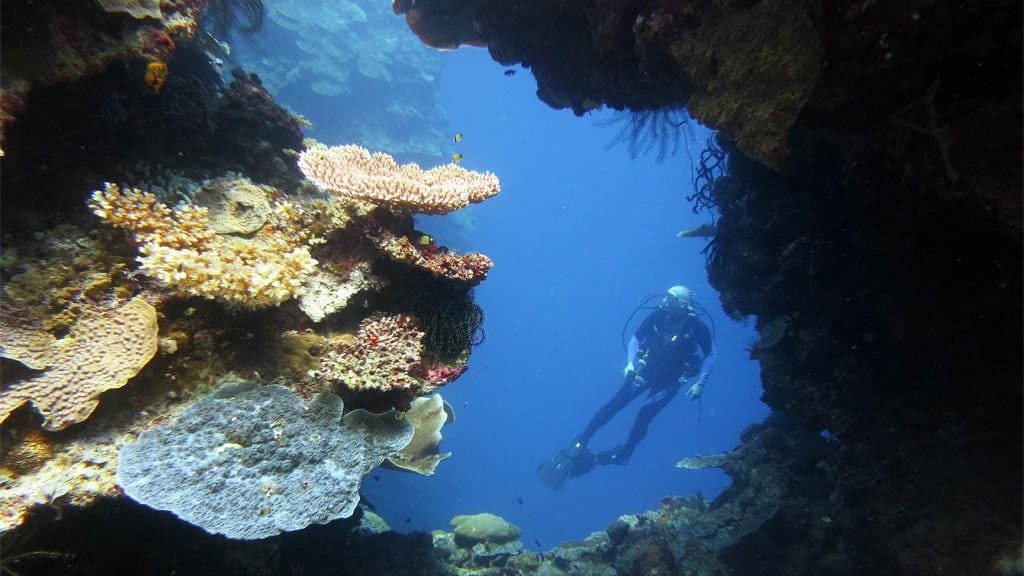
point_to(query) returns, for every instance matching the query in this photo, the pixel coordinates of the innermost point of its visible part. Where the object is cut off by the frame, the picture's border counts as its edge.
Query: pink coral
(439, 374)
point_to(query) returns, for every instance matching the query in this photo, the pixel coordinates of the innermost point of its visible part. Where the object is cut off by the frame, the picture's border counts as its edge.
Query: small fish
(519, 500)
(457, 137)
(376, 478)
(457, 157)
(407, 520)
(703, 231)
(424, 240)
(510, 73)
(400, 416)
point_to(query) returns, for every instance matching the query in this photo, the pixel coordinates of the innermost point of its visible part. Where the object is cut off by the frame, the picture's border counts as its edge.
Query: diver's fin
(555, 472)
(566, 464)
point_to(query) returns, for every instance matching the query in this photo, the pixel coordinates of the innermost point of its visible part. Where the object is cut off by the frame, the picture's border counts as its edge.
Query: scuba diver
(671, 346)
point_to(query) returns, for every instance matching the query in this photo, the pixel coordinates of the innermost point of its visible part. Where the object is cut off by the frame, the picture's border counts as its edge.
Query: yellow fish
(424, 239)
(457, 157)
(457, 137)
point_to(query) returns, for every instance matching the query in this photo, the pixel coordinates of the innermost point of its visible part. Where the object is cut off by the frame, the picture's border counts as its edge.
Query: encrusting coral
(327, 293)
(386, 359)
(471, 268)
(179, 249)
(251, 461)
(105, 348)
(384, 355)
(353, 172)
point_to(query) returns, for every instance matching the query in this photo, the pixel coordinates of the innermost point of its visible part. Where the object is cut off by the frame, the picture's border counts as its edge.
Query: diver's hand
(628, 370)
(697, 390)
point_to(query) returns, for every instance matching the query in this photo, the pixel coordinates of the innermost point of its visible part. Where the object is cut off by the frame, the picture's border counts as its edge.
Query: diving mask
(678, 298)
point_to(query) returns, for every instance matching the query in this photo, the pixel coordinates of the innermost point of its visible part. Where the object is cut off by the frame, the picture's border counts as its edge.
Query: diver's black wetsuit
(671, 344)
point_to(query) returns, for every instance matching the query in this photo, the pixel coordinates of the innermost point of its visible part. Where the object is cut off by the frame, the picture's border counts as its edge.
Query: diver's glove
(629, 370)
(695, 391)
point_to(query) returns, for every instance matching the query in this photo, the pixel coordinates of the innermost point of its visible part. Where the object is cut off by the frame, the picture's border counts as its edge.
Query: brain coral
(104, 349)
(251, 461)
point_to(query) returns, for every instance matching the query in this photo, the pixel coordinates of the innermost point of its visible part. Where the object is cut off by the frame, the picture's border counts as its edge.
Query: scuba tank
(642, 304)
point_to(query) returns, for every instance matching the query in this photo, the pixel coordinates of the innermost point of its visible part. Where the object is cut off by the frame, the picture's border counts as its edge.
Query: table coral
(353, 172)
(105, 348)
(180, 251)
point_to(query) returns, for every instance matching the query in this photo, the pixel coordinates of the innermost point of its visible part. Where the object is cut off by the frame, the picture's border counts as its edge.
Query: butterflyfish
(424, 240)
(456, 157)
(457, 137)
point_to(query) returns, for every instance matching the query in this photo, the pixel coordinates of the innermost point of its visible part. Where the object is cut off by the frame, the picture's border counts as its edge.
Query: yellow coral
(104, 349)
(353, 172)
(179, 249)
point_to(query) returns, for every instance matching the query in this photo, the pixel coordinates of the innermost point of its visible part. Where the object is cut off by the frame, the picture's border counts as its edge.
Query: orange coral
(156, 76)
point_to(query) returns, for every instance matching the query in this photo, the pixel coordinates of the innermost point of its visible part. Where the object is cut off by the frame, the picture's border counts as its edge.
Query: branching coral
(353, 172)
(180, 250)
(104, 349)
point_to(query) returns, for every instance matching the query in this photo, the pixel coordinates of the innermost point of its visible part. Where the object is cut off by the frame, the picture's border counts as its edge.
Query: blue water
(578, 235)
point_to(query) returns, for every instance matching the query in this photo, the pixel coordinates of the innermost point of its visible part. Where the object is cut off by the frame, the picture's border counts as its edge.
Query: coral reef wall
(160, 239)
